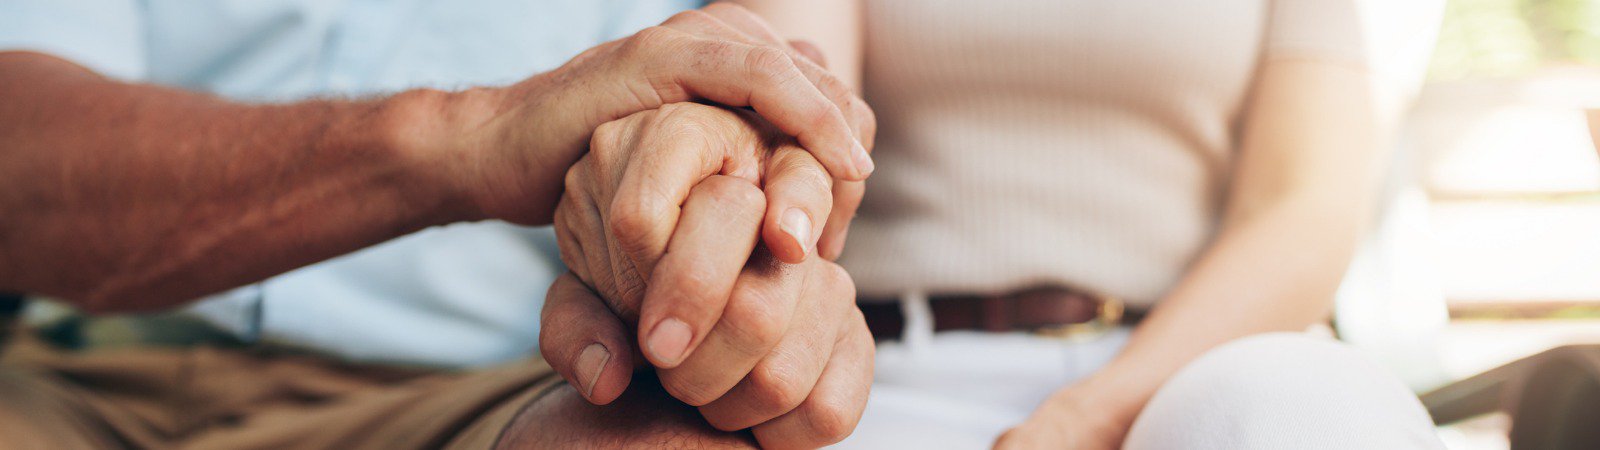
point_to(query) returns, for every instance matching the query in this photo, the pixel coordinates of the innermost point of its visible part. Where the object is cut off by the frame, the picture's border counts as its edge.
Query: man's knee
(1283, 390)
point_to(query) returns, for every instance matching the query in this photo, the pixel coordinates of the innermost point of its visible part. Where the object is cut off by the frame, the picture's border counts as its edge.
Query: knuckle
(830, 418)
(776, 390)
(607, 137)
(573, 181)
(649, 38)
(770, 64)
(609, 147)
(653, 35)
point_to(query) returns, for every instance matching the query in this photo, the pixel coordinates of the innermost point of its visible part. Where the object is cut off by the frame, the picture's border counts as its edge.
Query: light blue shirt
(459, 295)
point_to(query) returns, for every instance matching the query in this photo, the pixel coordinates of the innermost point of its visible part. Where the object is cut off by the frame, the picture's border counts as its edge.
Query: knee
(1277, 373)
(1283, 365)
(1283, 390)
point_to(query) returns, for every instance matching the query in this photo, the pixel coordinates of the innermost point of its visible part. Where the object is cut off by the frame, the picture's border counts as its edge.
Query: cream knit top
(1080, 143)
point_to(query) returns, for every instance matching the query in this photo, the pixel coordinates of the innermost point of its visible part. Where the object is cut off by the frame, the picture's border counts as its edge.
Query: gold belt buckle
(1107, 316)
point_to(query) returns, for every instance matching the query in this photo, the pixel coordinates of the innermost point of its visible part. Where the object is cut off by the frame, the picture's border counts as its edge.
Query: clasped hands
(699, 240)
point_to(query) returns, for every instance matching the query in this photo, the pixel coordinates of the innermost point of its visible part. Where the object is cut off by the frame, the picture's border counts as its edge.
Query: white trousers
(1271, 391)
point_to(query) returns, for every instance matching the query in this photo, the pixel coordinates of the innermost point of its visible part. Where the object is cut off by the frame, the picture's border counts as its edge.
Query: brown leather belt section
(1028, 310)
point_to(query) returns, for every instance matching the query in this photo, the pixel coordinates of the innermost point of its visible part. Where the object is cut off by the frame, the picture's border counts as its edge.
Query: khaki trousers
(218, 398)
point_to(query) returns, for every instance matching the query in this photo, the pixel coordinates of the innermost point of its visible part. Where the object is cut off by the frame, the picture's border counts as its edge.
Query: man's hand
(520, 139)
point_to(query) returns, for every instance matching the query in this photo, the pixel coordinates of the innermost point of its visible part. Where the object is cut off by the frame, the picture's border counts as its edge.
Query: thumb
(584, 341)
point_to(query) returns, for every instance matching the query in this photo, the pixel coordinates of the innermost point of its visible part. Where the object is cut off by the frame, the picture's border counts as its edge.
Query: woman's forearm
(1260, 276)
(1302, 192)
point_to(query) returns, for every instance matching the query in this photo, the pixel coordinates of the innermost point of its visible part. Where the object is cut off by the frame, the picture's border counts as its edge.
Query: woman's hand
(1066, 420)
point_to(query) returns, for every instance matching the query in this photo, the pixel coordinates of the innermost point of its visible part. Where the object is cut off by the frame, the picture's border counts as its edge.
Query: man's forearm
(143, 196)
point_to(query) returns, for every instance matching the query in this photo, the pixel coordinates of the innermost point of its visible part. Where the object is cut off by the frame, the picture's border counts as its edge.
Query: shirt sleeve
(1321, 29)
(106, 36)
(1391, 40)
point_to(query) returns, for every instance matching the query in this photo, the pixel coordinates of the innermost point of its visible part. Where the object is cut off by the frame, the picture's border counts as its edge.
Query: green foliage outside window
(1497, 38)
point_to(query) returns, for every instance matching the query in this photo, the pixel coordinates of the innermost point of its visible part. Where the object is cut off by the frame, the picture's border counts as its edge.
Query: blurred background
(1489, 250)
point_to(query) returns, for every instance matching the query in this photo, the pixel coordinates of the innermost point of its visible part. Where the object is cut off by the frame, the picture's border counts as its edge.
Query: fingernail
(669, 340)
(862, 159)
(591, 362)
(797, 224)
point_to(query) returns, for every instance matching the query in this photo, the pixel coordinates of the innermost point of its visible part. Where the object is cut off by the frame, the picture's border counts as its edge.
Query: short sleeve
(1390, 39)
(104, 35)
(1322, 29)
